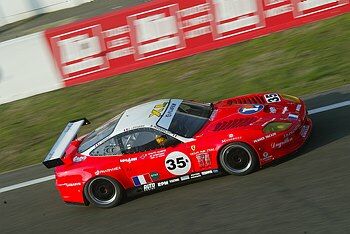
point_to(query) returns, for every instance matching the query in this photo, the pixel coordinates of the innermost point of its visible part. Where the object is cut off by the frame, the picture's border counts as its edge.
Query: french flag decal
(141, 179)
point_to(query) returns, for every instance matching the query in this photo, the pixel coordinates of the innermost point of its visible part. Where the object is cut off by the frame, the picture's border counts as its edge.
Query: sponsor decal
(202, 151)
(174, 180)
(265, 137)
(70, 184)
(298, 107)
(154, 176)
(304, 131)
(230, 139)
(267, 157)
(163, 183)
(98, 172)
(186, 177)
(158, 109)
(280, 144)
(272, 97)
(149, 187)
(250, 109)
(77, 159)
(195, 175)
(170, 111)
(206, 172)
(128, 160)
(142, 179)
(203, 159)
(285, 109)
(292, 117)
(272, 110)
(292, 131)
(177, 163)
(154, 154)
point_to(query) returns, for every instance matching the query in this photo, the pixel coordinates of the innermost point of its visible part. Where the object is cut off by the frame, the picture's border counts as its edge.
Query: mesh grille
(234, 123)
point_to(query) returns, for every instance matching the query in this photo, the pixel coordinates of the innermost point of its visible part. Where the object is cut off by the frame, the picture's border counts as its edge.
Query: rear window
(99, 134)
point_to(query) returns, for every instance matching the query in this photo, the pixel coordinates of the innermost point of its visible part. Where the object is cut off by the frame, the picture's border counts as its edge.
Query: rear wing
(54, 157)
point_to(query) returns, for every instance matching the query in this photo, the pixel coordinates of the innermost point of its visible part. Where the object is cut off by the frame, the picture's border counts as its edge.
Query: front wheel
(103, 192)
(238, 159)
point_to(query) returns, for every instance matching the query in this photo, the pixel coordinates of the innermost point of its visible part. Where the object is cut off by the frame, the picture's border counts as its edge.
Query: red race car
(166, 142)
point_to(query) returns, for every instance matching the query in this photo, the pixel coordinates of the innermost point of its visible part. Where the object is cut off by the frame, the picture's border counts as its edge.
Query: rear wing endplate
(54, 157)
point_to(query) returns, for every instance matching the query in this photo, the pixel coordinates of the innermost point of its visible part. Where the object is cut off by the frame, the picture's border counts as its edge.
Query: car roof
(144, 115)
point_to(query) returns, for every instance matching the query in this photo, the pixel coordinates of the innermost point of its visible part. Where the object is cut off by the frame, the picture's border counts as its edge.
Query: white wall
(15, 10)
(26, 68)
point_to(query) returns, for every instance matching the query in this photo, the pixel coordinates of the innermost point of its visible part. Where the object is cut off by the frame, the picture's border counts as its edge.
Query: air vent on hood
(234, 123)
(256, 99)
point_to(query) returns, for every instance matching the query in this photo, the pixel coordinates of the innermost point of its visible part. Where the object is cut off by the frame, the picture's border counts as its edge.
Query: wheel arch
(239, 142)
(86, 201)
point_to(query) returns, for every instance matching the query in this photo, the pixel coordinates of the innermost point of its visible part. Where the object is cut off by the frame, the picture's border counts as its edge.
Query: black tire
(103, 192)
(238, 159)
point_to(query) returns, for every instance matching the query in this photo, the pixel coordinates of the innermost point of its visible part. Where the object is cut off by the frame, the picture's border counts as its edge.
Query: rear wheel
(238, 159)
(103, 192)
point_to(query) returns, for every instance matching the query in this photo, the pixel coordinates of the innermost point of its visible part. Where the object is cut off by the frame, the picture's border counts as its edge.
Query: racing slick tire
(238, 159)
(103, 192)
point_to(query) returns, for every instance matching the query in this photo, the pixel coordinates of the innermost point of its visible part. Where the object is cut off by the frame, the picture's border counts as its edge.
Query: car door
(152, 158)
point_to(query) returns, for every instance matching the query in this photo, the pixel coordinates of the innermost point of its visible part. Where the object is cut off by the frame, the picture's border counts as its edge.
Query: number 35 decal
(177, 163)
(272, 97)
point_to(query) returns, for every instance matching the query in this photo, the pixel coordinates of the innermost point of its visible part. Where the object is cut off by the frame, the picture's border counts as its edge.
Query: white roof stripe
(144, 115)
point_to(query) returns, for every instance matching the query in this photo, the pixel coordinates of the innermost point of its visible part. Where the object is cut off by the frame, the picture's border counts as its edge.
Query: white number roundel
(177, 163)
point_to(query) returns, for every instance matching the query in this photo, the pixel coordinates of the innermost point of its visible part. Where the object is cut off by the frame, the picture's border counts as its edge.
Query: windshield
(99, 134)
(190, 118)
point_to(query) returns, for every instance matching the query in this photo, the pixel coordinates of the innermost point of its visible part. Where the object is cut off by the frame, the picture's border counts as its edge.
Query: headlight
(290, 98)
(276, 127)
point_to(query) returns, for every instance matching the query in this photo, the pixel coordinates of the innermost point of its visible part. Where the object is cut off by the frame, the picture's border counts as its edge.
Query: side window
(144, 140)
(110, 147)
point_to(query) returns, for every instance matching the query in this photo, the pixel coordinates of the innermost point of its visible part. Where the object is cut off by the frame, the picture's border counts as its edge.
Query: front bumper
(286, 142)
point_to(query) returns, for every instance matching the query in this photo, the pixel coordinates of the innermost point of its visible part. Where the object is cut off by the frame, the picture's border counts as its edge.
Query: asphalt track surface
(307, 192)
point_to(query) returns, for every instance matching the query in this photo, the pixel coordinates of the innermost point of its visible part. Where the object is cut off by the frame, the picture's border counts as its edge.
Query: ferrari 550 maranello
(169, 141)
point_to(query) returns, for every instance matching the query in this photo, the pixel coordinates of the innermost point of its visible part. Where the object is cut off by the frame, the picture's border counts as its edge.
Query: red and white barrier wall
(164, 30)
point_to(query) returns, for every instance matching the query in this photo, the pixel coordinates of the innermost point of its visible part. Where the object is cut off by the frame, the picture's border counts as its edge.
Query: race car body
(170, 141)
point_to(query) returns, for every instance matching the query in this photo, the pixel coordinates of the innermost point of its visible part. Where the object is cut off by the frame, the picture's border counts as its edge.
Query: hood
(252, 111)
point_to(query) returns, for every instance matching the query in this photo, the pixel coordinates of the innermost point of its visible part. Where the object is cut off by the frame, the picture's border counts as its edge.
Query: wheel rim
(237, 158)
(102, 191)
